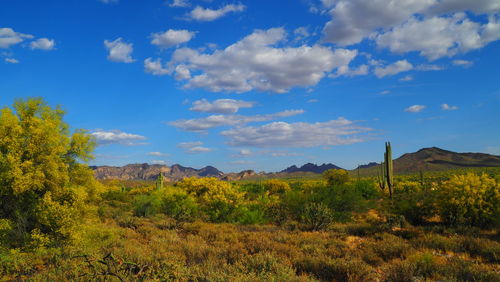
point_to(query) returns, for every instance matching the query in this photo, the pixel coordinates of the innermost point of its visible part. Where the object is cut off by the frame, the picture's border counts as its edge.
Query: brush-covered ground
(337, 229)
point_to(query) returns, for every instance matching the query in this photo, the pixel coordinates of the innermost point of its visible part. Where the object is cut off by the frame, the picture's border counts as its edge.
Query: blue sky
(260, 84)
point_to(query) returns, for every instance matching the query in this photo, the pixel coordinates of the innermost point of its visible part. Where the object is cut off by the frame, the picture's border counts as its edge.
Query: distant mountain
(150, 172)
(435, 159)
(309, 167)
(438, 159)
(368, 165)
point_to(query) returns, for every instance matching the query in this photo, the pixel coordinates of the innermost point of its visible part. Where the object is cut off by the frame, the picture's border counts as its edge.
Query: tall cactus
(159, 181)
(388, 167)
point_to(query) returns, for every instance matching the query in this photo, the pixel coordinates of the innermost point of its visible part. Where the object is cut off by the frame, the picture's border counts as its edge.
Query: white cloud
(43, 44)
(438, 37)
(119, 51)
(203, 124)
(301, 33)
(241, 162)
(159, 162)
(220, 106)
(312, 101)
(171, 37)
(462, 63)
(104, 137)
(345, 70)
(109, 1)
(427, 67)
(415, 108)
(11, 61)
(194, 147)
(180, 3)
(476, 6)
(155, 67)
(254, 63)
(353, 20)
(158, 154)
(406, 78)
(9, 37)
(433, 28)
(245, 152)
(206, 14)
(300, 134)
(392, 69)
(446, 107)
(385, 92)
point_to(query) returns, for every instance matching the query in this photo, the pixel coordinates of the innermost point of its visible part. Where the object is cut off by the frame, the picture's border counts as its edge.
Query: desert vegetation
(58, 223)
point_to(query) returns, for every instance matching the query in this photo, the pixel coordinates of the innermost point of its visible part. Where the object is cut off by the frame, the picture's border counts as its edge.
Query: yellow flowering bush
(470, 199)
(218, 198)
(276, 186)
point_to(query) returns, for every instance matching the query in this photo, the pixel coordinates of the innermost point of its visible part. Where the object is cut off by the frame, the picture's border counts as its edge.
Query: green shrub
(317, 216)
(180, 206)
(337, 269)
(147, 205)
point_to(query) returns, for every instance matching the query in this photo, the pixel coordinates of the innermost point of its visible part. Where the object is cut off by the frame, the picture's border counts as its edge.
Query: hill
(437, 159)
(309, 167)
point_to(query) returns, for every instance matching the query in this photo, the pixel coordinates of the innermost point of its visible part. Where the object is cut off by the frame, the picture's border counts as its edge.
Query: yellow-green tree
(43, 184)
(218, 198)
(470, 199)
(276, 186)
(336, 177)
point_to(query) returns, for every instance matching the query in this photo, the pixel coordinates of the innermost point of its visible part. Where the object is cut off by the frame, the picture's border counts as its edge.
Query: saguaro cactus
(159, 181)
(388, 167)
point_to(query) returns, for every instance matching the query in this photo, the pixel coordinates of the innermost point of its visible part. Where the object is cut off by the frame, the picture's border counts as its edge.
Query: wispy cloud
(415, 108)
(447, 107)
(194, 147)
(205, 14)
(220, 106)
(104, 137)
(301, 134)
(203, 124)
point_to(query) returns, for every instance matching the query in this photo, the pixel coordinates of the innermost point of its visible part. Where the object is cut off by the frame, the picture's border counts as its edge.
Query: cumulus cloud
(203, 124)
(171, 37)
(353, 20)
(206, 14)
(155, 67)
(119, 51)
(301, 134)
(446, 107)
(9, 37)
(433, 28)
(43, 44)
(392, 69)
(476, 6)
(180, 3)
(159, 162)
(194, 147)
(415, 108)
(104, 137)
(11, 61)
(462, 63)
(434, 37)
(220, 106)
(109, 1)
(256, 63)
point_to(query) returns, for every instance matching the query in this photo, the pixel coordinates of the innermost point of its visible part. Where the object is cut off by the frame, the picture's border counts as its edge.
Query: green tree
(43, 184)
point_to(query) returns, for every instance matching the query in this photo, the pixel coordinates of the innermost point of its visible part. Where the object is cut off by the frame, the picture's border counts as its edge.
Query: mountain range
(427, 159)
